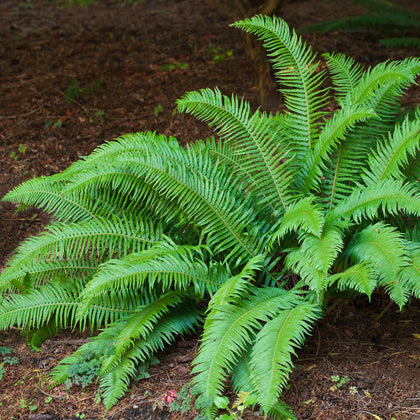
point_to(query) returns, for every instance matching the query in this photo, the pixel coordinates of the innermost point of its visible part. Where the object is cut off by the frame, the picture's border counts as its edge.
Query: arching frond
(78, 247)
(302, 215)
(393, 154)
(59, 301)
(383, 247)
(390, 196)
(360, 277)
(47, 193)
(257, 152)
(162, 271)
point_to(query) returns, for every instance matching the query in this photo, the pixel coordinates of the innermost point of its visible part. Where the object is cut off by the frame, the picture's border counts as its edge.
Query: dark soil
(119, 56)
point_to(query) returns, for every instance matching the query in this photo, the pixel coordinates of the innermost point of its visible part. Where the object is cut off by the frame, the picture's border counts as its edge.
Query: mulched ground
(129, 63)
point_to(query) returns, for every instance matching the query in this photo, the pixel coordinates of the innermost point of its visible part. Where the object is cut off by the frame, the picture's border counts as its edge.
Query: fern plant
(248, 236)
(384, 17)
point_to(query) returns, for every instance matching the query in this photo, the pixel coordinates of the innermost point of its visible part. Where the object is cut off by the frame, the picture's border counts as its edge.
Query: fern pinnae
(394, 153)
(234, 122)
(333, 131)
(302, 214)
(208, 209)
(293, 66)
(163, 271)
(48, 194)
(13, 277)
(388, 195)
(360, 277)
(227, 330)
(235, 288)
(384, 245)
(139, 325)
(274, 344)
(383, 73)
(345, 74)
(100, 239)
(164, 333)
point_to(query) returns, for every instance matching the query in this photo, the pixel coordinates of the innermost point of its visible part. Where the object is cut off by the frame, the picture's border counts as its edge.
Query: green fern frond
(391, 196)
(323, 251)
(400, 42)
(383, 246)
(228, 329)
(77, 247)
(281, 411)
(410, 273)
(15, 277)
(242, 376)
(302, 215)
(294, 67)
(298, 262)
(394, 154)
(394, 72)
(35, 308)
(114, 384)
(237, 287)
(137, 326)
(60, 301)
(334, 130)
(380, 89)
(376, 20)
(163, 271)
(275, 343)
(255, 148)
(47, 193)
(345, 74)
(360, 277)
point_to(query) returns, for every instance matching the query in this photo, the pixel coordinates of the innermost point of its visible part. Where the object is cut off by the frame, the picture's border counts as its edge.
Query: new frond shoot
(146, 233)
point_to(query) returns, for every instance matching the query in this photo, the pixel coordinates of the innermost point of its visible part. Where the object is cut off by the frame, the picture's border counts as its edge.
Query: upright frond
(229, 329)
(345, 74)
(271, 357)
(295, 68)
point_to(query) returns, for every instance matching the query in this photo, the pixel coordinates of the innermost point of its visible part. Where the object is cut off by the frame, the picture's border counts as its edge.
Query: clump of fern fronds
(150, 241)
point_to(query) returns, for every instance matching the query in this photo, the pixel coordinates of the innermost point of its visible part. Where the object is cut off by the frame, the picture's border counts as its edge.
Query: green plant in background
(218, 54)
(339, 381)
(261, 228)
(56, 123)
(21, 151)
(74, 90)
(175, 66)
(384, 17)
(157, 110)
(28, 404)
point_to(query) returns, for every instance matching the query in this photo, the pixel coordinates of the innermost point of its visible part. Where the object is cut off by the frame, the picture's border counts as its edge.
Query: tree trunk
(240, 9)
